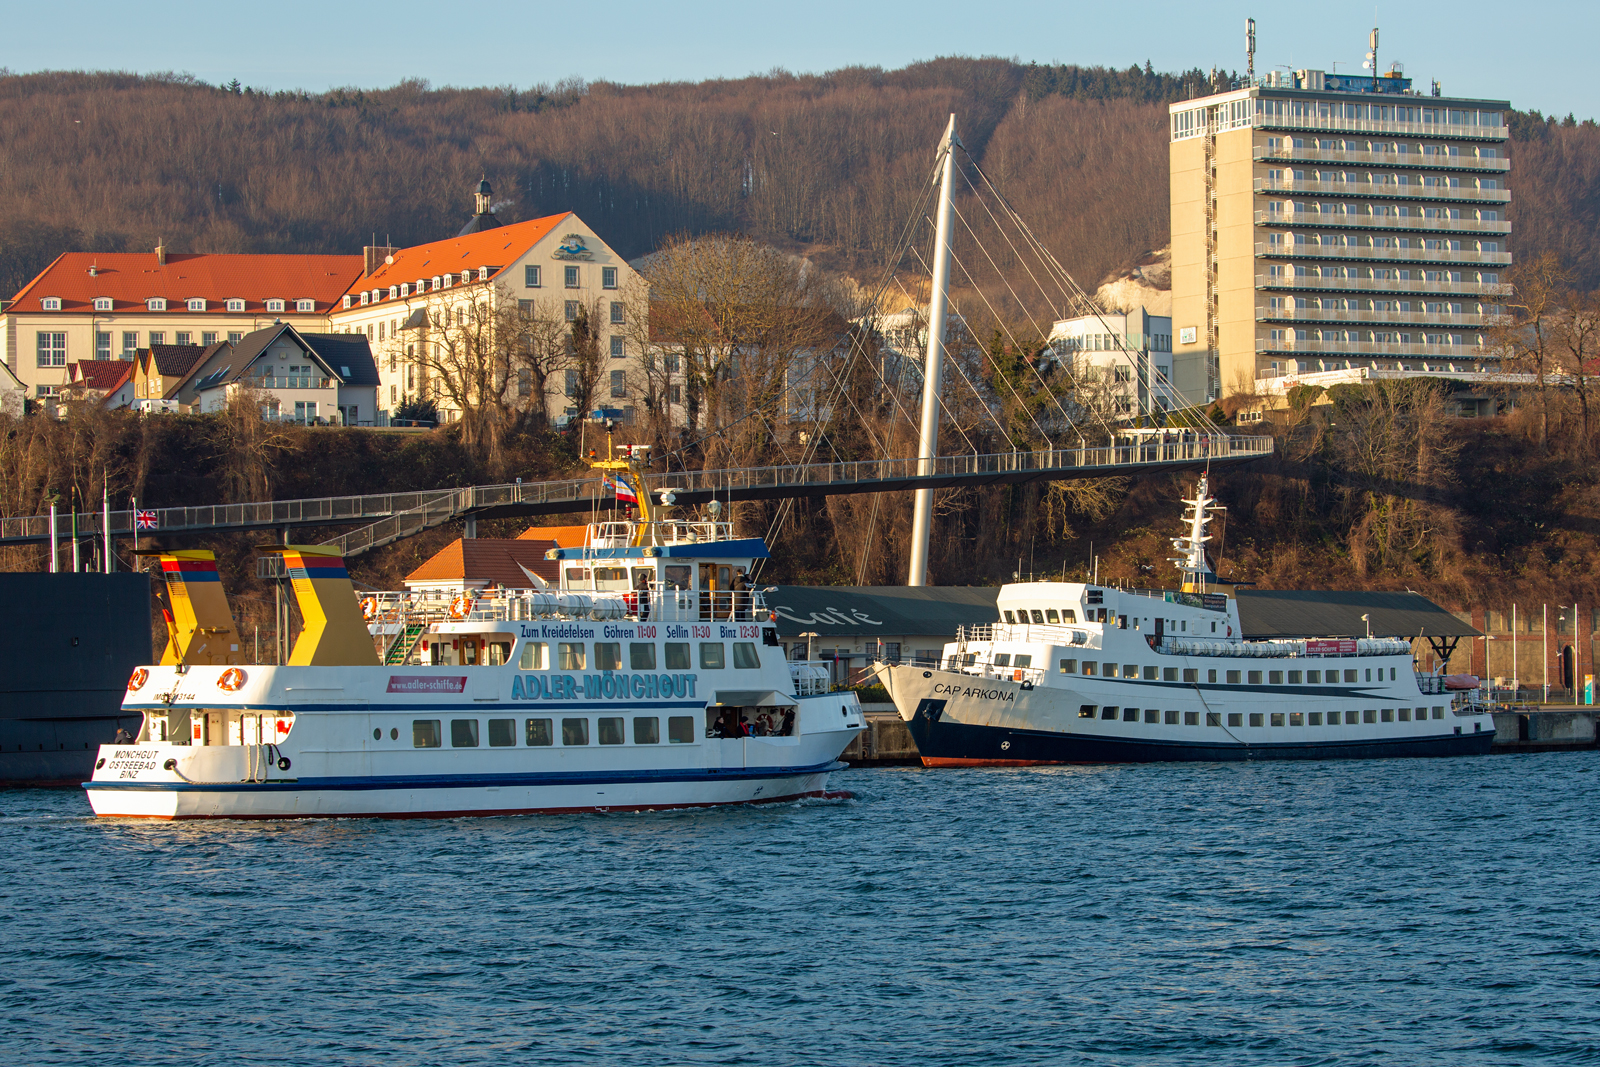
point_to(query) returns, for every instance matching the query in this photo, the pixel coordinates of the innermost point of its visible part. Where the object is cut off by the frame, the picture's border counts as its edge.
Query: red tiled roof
(491, 560)
(130, 278)
(106, 375)
(497, 248)
(564, 536)
(173, 360)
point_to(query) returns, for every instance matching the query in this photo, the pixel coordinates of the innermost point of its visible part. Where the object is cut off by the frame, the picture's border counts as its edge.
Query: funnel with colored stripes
(200, 628)
(334, 634)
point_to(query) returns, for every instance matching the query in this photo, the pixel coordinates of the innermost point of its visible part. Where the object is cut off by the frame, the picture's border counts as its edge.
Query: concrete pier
(885, 741)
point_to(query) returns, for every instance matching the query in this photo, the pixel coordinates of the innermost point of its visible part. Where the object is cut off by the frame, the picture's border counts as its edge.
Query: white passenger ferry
(1082, 673)
(647, 679)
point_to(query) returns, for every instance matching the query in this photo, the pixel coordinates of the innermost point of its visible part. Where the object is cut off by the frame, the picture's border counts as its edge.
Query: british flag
(144, 519)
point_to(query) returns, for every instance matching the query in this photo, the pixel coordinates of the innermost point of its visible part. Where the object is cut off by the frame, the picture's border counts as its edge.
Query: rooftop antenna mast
(1250, 50)
(1372, 57)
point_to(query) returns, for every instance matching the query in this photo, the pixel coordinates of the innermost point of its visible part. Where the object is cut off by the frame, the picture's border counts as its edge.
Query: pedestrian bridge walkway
(388, 517)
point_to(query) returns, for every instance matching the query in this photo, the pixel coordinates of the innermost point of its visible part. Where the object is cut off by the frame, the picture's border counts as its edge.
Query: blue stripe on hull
(945, 740)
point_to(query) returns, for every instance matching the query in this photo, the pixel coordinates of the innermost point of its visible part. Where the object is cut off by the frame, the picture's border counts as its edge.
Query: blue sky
(1538, 57)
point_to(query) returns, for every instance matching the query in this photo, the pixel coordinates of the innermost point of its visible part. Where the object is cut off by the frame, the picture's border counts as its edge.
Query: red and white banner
(426, 683)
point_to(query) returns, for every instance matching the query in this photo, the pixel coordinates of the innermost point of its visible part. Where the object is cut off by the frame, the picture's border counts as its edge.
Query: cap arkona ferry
(652, 678)
(1082, 673)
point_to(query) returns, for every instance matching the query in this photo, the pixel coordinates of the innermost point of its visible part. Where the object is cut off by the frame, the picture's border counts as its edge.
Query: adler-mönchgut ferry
(651, 678)
(1080, 673)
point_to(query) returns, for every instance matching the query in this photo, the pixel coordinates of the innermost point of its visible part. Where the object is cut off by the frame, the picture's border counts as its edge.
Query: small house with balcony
(312, 379)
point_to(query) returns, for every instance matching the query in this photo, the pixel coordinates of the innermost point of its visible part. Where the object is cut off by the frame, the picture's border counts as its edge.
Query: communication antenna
(1250, 48)
(1372, 57)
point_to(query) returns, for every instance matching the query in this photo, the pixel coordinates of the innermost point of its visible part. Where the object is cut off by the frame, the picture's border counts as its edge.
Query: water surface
(1385, 912)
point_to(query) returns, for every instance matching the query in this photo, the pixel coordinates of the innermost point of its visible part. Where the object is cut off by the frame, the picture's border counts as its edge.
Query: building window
(308, 306)
(616, 348)
(530, 277)
(130, 343)
(616, 312)
(51, 303)
(208, 337)
(234, 337)
(305, 411)
(524, 381)
(196, 303)
(235, 304)
(156, 303)
(619, 383)
(274, 305)
(608, 277)
(52, 349)
(572, 383)
(571, 277)
(182, 337)
(572, 311)
(394, 394)
(102, 303)
(102, 345)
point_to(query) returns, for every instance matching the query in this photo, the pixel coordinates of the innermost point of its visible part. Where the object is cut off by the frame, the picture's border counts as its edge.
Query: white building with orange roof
(411, 302)
(109, 305)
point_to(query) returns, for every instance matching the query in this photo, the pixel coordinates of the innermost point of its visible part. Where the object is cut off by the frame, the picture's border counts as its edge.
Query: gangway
(388, 517)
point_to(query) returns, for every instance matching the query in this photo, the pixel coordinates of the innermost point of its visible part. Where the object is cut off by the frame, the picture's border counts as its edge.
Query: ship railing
(810, 679)
(1040, 633)
(1431, 684)
(980, 632)
(649, 604)
(1381, 646)
(622, 533)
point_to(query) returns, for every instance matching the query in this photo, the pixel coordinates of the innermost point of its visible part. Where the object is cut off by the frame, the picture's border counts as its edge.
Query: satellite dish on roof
(389, 260)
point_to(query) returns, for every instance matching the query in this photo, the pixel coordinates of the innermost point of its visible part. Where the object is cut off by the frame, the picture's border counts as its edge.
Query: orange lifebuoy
(461, 607)
(369, 607)
(230, 680)
(1016, 676)
(137, 679)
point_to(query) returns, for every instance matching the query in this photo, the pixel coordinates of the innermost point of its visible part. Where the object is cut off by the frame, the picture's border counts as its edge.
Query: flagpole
(105, 505)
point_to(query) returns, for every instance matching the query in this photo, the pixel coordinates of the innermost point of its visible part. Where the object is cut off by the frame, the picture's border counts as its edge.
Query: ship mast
(933, 368)
(1192, 563)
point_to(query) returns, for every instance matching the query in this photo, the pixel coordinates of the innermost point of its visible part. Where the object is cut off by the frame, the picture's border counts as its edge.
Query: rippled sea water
(1384, 912)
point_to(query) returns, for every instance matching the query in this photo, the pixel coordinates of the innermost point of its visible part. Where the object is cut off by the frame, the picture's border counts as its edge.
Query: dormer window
(156, 303)
(437, 282)
(102, 303)
(274, 304)
(235, 304)
(394, 291)
(449, 280)
(195, 303)
(305, 306)
(366, 298)
(422, 285)
(405, 290)
(347, 301)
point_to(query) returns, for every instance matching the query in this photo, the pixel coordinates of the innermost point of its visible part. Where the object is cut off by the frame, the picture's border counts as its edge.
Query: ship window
(1152, 715)
(1002, 659)
(712, 656)
(744, 656)
(1038, 616)
(1351, 717)
(571, 656)
(1257, 719)
(1254, 677)
(1151, 673)
(607, 656)
(1369, 715)
(502, 733)
(425, 733)
(1009, 617)
(574, 731)
(1172, 718)
(647, 730)
(1233, 677)
(678, 656)
(1349, 676)
(1211, 676)
(377, 735)
(611, 730)
(1438, 713)
(1275, 677)
(1109, 712)
(1391, 673)
(1191, 718)
(1022, 661)
(1122, 623)
(577, 575)
(1130, 714)
(1296, 718)
(642, 657)
(1213, 718)
(1405, 714)
(1184, 625)
(1068, 615)
(1386, 715)
(394, 733)
(1294, 677)
(535, 656)
(1130, 670)
(677, 576)
(1169, 674)
(538, 732)
(1089, 667)
(1190, 674)
(1086, 711)
(1051, 615)
(1235, 719)
(1069, 666)
(680, 730)
(1314, 677)
(463, 733)
(1213, 627)
(1277, 718)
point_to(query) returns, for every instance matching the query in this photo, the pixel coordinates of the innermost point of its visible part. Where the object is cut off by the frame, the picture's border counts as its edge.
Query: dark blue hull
(942, 743)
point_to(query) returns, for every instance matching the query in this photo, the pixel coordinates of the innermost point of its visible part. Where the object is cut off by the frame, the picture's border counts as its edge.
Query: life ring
(1230, 631)
(137, 679)
(461, 607)
(369, 607)
(230, 680)
(631, 602)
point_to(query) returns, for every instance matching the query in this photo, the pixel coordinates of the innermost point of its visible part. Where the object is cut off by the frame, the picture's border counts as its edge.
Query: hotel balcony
(1384, 285)
(1448, 131)
(1383, 191)
(1410, 160)
(1372, 320)
(1291, 347)
(1383, 255)
(1319, 220)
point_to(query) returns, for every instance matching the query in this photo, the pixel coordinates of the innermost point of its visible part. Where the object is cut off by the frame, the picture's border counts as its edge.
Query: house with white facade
(313, 379)
(1130, 354)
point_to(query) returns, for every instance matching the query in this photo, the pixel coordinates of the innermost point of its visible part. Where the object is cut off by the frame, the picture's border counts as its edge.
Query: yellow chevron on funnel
(200, 628)
(334, 634)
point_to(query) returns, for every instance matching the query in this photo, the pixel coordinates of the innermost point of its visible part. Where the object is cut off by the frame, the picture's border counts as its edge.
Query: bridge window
(538, 732)
(574, 731)
(608, 656)
(1086, 711)
(647, 731)
(1069, 666)
(1068, 615)
(1038, 617)
(425, 733)
(1022, 661)
(745, 658)
(1009, 617)
(1052, 616)
(713, 657)
(1002, 659)
(678, 656)
(642, 657)
(535, 656)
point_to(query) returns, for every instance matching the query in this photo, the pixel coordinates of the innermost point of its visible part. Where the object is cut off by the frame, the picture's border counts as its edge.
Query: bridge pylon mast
(933, 368)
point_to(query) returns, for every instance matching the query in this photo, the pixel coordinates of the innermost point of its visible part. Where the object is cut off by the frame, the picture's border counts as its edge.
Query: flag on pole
(625, 492)
(144, 519)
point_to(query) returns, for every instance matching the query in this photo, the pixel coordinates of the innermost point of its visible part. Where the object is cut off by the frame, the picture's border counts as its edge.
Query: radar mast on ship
(1192, 565)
